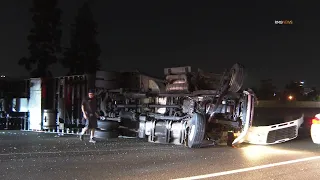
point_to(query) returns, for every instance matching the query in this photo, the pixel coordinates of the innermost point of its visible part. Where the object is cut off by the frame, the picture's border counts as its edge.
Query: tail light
(316, 119)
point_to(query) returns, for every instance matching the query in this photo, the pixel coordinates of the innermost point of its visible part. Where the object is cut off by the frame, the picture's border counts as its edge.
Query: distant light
(290, 97)
(3, 76)
(302, 82)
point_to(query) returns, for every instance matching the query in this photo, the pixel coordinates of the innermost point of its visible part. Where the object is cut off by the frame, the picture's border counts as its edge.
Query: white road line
(83, 151)
(55, 152)
(249, 169)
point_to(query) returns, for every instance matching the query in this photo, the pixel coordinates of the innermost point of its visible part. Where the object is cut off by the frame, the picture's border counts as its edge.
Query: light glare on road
(256, 152)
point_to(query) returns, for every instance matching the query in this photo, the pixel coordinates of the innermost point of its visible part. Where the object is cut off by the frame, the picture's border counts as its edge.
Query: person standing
(89, 110)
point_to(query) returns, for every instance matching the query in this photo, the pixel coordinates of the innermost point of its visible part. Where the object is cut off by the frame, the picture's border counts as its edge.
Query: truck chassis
(193, 107)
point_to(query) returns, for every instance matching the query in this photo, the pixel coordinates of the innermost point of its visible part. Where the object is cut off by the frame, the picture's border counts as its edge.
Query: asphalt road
(29, 155)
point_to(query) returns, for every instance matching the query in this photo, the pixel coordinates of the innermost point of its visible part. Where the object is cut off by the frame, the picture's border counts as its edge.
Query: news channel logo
(283, 22)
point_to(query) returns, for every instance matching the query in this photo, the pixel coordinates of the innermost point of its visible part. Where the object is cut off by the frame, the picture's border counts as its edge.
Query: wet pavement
(30, 155)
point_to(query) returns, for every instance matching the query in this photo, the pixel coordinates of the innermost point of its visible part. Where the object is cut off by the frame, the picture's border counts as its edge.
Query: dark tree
(294, 89)
(267, 91)
(313, 94)
(44, 38)
(83, 55)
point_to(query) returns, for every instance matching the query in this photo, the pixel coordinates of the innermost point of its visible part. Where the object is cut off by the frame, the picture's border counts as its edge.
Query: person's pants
(92, 123)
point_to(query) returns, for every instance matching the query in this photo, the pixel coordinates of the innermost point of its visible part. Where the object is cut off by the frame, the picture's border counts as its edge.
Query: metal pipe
(162, 117)
(147, 105)
(72, 99)
(195, 93)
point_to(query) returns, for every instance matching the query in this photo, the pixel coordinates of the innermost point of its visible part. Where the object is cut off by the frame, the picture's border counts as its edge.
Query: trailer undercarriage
(189, 110)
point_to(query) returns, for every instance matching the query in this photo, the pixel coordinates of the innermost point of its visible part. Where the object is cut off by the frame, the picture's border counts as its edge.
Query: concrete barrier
(274, 112)
(287, 104)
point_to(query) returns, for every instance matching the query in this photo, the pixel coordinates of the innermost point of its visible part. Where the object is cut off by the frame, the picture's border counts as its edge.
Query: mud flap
(247, 114)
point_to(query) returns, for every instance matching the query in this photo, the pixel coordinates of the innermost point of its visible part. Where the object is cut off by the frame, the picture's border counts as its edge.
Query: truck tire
(99, 134)
(237, 78)
(128, 132)
(108, 125)
(196, 130)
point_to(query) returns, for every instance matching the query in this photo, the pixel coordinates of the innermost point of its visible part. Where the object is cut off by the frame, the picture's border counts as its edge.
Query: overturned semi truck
(184, 109)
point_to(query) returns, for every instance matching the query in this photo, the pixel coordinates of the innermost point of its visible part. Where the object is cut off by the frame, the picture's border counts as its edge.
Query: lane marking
(60, 152)
(54, 152)
(248, 169)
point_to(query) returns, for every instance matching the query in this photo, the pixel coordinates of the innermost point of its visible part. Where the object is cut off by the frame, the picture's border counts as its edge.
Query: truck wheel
(106, 134)
(108, 125)
(127, 132)
(196, 130)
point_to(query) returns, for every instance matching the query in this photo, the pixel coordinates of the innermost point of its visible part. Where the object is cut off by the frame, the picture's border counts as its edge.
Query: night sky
(151, 35)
